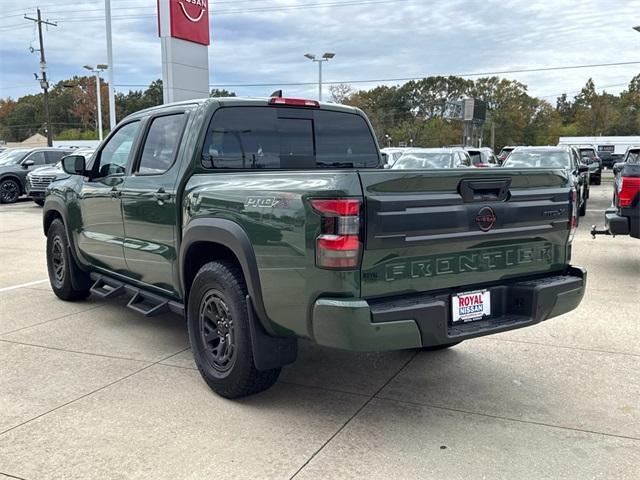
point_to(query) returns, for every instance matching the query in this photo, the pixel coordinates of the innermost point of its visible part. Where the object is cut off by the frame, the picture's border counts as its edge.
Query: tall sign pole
(183, 27)
(112, 94)
(44, 83)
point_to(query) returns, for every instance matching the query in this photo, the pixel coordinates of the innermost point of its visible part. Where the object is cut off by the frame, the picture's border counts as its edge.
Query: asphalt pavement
(92, 390)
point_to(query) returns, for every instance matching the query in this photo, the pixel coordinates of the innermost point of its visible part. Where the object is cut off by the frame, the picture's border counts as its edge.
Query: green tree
(216, 92)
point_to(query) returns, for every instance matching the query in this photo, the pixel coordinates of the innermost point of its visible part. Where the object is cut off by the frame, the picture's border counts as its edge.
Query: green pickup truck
(265, 221)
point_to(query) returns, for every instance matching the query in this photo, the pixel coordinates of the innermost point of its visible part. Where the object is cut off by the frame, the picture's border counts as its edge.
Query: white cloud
(371, 41)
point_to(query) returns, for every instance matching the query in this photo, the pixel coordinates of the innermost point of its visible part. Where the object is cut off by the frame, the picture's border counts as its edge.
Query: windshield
(424, 160)
(543, 159)
(12, 157)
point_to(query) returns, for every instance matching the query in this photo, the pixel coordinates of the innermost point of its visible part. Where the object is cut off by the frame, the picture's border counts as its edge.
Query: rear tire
(60, 263)
(218, 324)
(435, 348)
(9, 191)
(598, 180)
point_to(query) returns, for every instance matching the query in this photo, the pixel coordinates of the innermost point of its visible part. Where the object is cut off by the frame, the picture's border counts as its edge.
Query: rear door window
(37, 158)
(161, 144)
(287, 138)
(55, 156)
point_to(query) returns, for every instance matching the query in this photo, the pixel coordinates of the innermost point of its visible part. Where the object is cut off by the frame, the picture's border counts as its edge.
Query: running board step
(107, 288)
(142, 301)
(148, 304)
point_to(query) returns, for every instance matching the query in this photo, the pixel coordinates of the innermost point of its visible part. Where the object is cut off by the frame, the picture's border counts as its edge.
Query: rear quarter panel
(272, 209)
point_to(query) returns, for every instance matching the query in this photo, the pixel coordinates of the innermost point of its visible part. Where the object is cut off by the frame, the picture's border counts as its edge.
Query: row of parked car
(29, 171)
(580, 163)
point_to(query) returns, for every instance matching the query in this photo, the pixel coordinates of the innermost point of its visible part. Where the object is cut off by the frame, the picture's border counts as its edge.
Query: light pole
(325, 58)
(101, 67)
(112, 91)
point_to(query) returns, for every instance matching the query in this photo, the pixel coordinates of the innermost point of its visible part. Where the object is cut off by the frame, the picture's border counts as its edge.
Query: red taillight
(336, 207)
(293, 102)
(628, 189)
(338, 245)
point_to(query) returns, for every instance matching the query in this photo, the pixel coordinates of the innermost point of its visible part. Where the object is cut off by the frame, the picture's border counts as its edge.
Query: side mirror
(583, 168)
(28, 163)
(617, 167)
(74, 165)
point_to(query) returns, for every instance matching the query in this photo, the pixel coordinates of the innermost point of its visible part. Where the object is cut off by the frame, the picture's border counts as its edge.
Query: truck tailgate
(437, 229)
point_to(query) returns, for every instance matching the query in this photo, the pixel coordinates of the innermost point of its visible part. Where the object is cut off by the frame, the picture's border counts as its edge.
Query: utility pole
(44, 84)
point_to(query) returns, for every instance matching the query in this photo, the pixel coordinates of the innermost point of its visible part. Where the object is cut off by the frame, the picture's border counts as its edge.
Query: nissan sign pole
(184, 37)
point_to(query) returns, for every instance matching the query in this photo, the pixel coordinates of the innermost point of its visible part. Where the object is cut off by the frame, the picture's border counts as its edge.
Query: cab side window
(161, 144)
(116, 153)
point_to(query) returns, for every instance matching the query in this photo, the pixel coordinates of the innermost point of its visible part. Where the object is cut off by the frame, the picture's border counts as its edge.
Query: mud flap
(269, 352)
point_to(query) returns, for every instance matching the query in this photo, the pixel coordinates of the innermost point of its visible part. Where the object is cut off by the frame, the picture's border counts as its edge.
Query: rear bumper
(623, 222)
(425, 320)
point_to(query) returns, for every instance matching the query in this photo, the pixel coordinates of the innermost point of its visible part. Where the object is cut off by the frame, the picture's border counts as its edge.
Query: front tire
(218, 324)
(60, 263)
(9, 191)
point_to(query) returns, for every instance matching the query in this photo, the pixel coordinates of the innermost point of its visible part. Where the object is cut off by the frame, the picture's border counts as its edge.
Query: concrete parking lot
(94, 390)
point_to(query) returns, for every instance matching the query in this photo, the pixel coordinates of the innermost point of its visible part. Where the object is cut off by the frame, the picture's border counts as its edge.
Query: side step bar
(142, 301)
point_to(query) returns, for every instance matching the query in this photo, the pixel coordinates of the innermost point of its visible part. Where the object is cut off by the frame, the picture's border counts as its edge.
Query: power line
(249, 10)
(406, 79)
(76, 5)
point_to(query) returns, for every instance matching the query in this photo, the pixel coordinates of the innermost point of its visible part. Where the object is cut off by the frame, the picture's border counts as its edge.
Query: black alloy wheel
(58, 262)
(217, 331)
(9, 191)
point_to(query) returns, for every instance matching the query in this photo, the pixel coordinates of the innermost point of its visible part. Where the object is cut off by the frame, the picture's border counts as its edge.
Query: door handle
(161, 195)
(115, 193)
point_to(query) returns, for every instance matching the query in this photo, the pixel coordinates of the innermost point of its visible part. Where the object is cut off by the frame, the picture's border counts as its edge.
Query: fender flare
(232, 236)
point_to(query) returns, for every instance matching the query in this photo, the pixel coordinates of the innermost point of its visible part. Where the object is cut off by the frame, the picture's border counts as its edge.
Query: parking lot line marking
(23, 285)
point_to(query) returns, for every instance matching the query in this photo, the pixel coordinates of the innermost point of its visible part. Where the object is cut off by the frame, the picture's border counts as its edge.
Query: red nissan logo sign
(190, 20)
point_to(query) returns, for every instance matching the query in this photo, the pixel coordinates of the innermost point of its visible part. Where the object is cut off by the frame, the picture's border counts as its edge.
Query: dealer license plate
(471, 306)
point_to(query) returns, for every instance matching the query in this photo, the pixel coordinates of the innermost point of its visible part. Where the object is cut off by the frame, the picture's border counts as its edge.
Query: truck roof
(239, 101)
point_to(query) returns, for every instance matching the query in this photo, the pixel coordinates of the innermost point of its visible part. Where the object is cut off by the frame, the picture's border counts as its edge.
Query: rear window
(587, 152)
(476, 157)
(538, 159)
(287, 138)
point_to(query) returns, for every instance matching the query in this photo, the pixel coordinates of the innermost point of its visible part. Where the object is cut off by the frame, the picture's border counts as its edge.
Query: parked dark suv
(589, 157)
(16, 163)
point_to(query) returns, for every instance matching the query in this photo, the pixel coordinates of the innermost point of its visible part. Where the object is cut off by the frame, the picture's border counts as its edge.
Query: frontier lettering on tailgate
(472, 261)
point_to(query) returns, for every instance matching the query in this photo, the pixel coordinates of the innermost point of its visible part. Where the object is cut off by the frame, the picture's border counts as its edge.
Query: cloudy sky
(263, 41)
